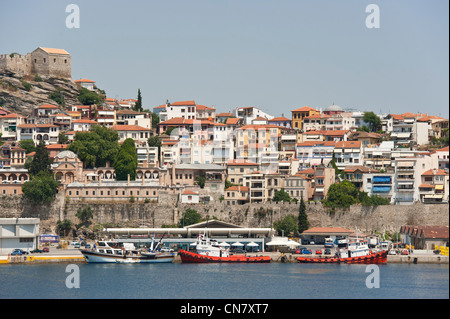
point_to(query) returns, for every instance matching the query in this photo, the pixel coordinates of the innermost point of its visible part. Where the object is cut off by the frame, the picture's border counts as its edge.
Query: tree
(138, 105)
(85, 214)
(62, 138)
(373, 121)
(190, 217)
(126, 161)
(57, 96)
(155, 141)
(97, 147)
(303, 223)
(87, 97)
(155, 120)
(64, 226)
(200, 181)
(281, 196)
(341, 195)
(287, 225)
(41, 161)
(28, 146)
(41, 188)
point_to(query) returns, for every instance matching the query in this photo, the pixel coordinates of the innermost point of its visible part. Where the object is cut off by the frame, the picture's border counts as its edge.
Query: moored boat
(356, 252)
(209, 251)
(114, 252)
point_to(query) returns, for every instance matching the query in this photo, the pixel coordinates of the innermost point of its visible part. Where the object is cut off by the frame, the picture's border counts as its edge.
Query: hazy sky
(275, 55)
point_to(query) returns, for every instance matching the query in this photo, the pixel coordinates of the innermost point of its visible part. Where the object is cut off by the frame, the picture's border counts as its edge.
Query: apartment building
(407, 178)
(379, 184)
(434, 187)
(237, 169)
(314, 153)
(248, 114)
(347, 153)
(298, 115)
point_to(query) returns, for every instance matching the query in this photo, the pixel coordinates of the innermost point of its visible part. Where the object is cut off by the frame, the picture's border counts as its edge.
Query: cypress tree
(303, 223)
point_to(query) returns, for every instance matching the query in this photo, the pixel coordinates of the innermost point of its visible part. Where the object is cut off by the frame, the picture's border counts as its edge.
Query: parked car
(87, 246)
(17, 252)
(318, 252)
(405, 252)
(327, 251)
(36, 251)
(77, 245)
(299, 250)
(45, 249)
(306, 252)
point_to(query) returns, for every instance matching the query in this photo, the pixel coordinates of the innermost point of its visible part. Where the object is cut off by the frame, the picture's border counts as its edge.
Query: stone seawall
(137, 214)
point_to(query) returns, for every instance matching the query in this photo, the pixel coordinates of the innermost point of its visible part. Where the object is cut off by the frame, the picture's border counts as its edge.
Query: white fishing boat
(115, 252)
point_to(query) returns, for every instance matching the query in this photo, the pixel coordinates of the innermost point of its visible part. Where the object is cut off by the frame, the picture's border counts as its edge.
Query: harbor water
(224, 281)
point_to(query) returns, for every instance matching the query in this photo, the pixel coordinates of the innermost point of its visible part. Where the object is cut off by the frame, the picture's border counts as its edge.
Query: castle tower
(51, 62)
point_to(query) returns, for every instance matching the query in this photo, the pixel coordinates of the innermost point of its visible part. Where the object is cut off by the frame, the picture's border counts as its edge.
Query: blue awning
(381, 189)
(381, 179)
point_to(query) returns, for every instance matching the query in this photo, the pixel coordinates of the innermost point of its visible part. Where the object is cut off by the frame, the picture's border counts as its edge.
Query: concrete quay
(75, 256)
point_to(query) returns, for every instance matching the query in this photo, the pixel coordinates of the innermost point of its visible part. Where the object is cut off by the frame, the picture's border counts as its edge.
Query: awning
(381, 179)
(434, 196)
(403, 135)
(439, 187)
(381, 189)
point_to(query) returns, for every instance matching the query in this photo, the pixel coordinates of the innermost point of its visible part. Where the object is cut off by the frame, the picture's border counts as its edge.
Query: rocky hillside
(22, 94)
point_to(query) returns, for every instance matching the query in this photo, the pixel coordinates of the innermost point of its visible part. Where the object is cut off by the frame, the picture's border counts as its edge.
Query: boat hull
(373, 258)
(191, 257)
(95, 257)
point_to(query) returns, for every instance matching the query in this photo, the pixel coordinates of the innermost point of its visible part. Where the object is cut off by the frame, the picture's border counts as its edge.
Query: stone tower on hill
(45, 62)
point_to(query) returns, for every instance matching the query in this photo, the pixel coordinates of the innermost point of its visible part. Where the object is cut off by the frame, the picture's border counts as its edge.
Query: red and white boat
(355, 252)
(210, 251)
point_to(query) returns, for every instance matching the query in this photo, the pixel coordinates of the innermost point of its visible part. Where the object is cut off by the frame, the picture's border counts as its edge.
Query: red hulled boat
(209, 251)
(356, 252)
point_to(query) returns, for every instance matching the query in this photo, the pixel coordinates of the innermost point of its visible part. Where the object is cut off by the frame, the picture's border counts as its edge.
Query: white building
(248, 114)
(379, 184)
(190, 197)
(83, 125)
(38, 132)
(137, 133)
(408, 177)
(8, 125)
(183, 109)
(18, 233)
(348, 153)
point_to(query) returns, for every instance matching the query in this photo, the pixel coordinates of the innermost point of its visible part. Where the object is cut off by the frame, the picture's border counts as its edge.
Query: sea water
(223, 281)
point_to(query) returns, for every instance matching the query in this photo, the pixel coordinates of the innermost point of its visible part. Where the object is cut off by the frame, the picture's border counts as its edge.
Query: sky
(275, 55)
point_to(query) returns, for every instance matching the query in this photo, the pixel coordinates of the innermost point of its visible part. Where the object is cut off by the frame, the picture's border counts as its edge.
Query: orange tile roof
(280, 119)
(84, 81)
(56, 146)
(327, 230)
(54, 51)
(11, 116)
(304, 109)
(348, 144)
(237, 188)
(224, 114)
(434, 172)
(129, 128)
(426, 186)
(183, 103)
(190, 193)
(240, 162)
(232, 121)
(47, 106)
(204, 107)
(317, 143)
(85, 121)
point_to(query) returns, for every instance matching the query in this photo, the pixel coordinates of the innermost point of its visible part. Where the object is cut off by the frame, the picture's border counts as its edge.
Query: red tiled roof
(328, 230)
(280, 119)
(204, 107)
(237, 188)
(190, 193)
(84, 81)
(232, 121)
(54, 51)
(183, 103)
(304, 109)
(47, 106)
(434, 172)
(129, 128)
(348, 144)
(241, 162)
